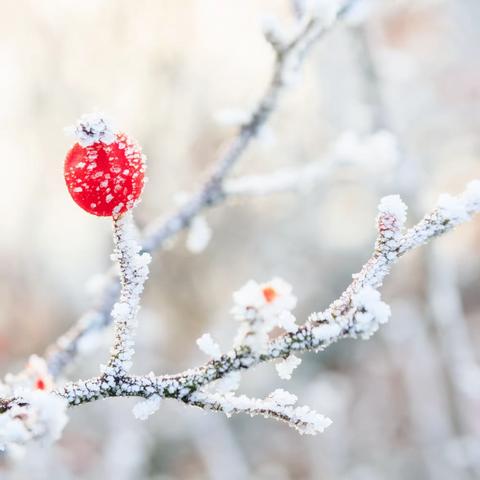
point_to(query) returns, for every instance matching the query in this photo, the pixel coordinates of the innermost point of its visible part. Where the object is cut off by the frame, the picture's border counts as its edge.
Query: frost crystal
(370, 312)
(142, 410)
(41, 416)
(229, 383)
(453, 208)
(325, 10)
(199, 235)
(326, 332)
(394, 205)
(378, 151)
(134, 273)
(287, 321)
(282, 397)
(286, 367)
(471, 196)
(92, 128)
(278, 405)
(208, 346)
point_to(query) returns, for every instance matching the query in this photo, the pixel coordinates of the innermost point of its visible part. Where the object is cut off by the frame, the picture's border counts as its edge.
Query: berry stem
(133, 267)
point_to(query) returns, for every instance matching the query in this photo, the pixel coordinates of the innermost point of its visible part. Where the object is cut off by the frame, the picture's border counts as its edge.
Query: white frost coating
(286, 367)
(282, 397)
(274, 32)
(142, 410)
(133, 274)
(371, 312)
(459, 209)
(453, 208)
(287, 321)
(471, 196)
(208, 346)
(394, 205)
(283, 180)
(229, 383)
(326, 332)
(199, 235)
(231, 117)
(42, 418)
(325, 10)
(279, 405)
(378, 151)
(92, 128)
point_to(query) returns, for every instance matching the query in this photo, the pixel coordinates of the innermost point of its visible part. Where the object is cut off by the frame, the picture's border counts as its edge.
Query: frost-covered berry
(104, 170)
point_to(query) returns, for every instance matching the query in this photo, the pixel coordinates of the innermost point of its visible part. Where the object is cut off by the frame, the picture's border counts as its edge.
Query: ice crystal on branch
(282, 397)
(142, 410)
(371, 312)
(378, 151)
(199, 235)
(278, 405)
(208, 346)
(393, 205)
(37, 415)
(229, 383)
(91, 128)
(453, 208)
(286, 367)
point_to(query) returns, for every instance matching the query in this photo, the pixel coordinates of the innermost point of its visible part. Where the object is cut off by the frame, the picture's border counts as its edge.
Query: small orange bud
(40, 384)
(269, 293)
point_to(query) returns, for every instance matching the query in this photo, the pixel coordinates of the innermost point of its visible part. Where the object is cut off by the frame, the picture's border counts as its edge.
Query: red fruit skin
(105, 180)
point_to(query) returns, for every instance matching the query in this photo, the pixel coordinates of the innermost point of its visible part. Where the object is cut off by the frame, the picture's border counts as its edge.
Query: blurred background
(392, 95)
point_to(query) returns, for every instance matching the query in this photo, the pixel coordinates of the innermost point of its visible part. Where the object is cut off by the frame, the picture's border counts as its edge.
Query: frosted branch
(133, 267)
(287, 62)
(357, 313)
(279, 406)
(32, 405)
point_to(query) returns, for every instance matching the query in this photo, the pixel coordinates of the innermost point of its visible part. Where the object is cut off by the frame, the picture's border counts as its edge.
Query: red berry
(40, 384)
(106, 177)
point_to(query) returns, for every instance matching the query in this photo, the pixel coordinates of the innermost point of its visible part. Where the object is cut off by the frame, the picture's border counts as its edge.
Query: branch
(357, 313)
(133, 267)
(285, 180)
(278, 405)
(288, 60)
